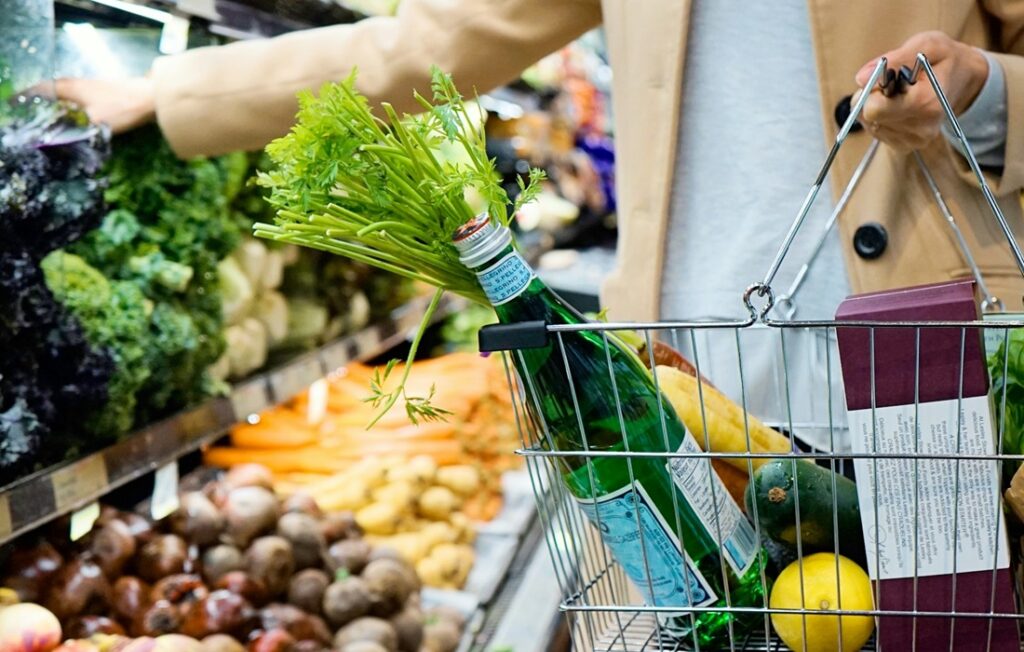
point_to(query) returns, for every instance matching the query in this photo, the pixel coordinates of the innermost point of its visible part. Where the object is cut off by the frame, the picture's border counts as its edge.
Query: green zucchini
(774, 493)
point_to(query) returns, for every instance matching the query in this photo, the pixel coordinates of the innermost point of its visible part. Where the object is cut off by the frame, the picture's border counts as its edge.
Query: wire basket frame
(603, 606)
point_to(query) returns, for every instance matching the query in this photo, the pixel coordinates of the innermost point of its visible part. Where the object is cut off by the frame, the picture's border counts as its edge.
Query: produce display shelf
(32, 501)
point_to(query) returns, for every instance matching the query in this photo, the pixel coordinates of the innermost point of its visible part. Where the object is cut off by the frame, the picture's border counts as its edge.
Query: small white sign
(316, 401)
(83, 520)
(165, 491)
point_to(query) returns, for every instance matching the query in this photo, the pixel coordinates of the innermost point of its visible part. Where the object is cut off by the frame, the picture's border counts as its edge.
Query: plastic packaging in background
(26, 46)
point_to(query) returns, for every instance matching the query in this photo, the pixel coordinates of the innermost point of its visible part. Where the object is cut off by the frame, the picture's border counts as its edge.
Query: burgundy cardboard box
(895, 358)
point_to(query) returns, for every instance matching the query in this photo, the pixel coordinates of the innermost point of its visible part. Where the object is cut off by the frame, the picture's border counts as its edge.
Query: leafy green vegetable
(375, 190)
(169, 227)
(1006, 367)
(115, 316)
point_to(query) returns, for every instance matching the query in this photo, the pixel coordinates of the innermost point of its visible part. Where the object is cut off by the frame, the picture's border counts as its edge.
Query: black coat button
(870, 240)
(842, 112)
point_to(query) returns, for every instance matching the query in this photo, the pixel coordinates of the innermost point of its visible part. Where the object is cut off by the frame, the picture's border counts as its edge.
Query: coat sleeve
(241, 96)
(1008, 22)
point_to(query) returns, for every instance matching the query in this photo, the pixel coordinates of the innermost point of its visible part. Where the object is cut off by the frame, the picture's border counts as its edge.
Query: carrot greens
(377, 189)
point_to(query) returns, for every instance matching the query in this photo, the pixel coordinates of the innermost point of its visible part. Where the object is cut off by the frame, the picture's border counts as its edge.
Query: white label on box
(714, 506)
(958, 501)
(83, 520)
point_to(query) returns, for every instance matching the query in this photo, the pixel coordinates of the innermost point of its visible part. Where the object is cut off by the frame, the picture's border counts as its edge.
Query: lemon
(820, 593)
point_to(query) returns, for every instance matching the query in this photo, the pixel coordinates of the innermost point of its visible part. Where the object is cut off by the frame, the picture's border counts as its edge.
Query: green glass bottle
(642, 506)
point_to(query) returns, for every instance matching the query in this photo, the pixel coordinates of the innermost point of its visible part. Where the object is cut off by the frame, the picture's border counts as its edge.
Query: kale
(169, 226)
(114, 316)
(51, 376)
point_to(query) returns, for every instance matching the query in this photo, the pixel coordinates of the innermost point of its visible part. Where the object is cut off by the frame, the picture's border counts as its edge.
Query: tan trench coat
(214, 100)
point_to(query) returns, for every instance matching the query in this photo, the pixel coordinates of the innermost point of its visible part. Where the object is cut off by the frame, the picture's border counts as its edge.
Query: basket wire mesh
(604, 608)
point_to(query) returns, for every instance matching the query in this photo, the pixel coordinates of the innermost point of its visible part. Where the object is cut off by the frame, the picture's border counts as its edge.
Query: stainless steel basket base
(640, 633)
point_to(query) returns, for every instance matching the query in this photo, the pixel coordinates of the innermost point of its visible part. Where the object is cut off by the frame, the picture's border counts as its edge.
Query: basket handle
(890, 82)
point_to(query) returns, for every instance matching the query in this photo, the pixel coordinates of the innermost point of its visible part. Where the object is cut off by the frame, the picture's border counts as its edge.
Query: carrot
(275, 430)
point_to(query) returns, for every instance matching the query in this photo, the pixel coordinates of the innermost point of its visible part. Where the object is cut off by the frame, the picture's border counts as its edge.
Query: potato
(401, 494)
(463, 479)
(379, 518)
(438, 503)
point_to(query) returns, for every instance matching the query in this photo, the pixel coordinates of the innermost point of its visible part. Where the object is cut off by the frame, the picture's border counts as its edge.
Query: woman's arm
(240, 96)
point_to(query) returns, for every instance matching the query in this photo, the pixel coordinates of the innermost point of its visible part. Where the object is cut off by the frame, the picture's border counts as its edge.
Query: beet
(303, 532)
(30, 570)
(270, 560)
(112, 547)
(340, 525)
(220, 560)
(164, 555)
(306, 590)
(131, 598)
(349, 554)
(302, 503)
(243, 584)
(79, 587)
(197, 520)
(249, 512)
(346, 600)
(221, 612)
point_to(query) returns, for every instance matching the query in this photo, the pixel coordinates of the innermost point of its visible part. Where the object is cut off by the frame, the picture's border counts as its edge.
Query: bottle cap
(480, 239)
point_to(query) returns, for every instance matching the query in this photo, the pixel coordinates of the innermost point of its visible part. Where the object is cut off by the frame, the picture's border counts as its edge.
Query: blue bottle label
(641, 541)
(506, 279)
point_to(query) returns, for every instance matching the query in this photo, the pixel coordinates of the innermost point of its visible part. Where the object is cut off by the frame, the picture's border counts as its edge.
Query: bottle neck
(505, 277)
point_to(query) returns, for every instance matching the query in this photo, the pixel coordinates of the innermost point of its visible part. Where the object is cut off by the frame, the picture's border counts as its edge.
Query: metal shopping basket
(604, 610)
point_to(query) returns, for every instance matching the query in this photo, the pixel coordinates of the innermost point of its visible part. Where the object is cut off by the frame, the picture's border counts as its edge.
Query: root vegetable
(79, 587)
(250, 511)
(463, 479)
(390, 585)
(249, 475)
(438, 503)
(221, 643)
(31, 569)
(306, 590)
(87, 626)
(302, 503)
(346, 600)
(270, 560)
(442, 636)
(350, 554)
(373, 630)
(364, 646)
(301, 625)
(161, 618)
(131, 598)
(336, 526)
(303, 532)
(221, 612)
(164, 555)
(221, 560)
(242, 584)
(140, 528)
(177, 643)
(308, 646)
(275, 640)
(28, 627)
(197, 520)
(181, 589)
(379, 518)
(408, 624)
(449, 614)
(113, 546)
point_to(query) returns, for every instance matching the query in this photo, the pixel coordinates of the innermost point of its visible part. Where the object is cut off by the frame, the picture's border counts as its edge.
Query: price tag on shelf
(249, 398)
(165, 491)
(83, 520)
(5, 517)
(295, 378)
(79, 481)
(316, 403)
